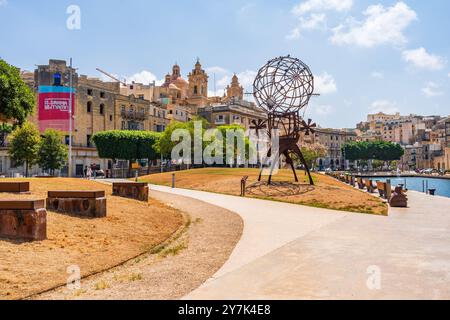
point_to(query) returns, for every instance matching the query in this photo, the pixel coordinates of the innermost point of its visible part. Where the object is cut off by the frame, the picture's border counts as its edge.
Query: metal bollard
(173, 180)
(137, 176)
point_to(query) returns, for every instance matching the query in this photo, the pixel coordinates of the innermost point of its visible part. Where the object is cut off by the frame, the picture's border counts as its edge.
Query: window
(195, 89)
(89, 92)
(122, 109)
(102, 109)
(66, 140)
(57, 79)
(88, 140)
(123, 125)
(102, 95)
(110, 117)
(89, 107)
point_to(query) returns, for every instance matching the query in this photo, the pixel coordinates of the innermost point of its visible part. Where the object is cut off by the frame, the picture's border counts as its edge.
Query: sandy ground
(175, 270)
(327, 193)
(130, 229)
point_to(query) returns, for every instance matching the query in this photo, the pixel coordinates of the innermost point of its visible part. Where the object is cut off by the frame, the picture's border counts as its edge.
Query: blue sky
(366, 55)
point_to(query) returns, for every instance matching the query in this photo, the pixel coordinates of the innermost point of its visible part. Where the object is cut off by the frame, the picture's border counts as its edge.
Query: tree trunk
(26, 169)
(148, 166)
(130, 168)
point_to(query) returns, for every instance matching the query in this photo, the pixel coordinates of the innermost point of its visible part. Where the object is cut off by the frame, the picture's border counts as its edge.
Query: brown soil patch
(131, 229)
(327, 193)
(174, 270)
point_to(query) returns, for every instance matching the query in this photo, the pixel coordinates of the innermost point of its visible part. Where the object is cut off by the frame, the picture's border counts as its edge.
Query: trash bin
(432, 192)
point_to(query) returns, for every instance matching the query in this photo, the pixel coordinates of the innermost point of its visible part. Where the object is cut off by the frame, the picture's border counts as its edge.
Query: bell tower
(176, 72)
(198, 86)
(235, 90)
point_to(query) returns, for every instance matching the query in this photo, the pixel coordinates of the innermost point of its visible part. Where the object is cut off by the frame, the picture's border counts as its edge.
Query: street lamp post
(70, 119)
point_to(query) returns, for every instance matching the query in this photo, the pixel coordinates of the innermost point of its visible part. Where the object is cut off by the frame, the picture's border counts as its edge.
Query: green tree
(52, 154)
(232, 148)
(127, 145)
(17, 100)
(24, 145)
(166, 144)
(313, 152)
(373, 150)
(5, 129)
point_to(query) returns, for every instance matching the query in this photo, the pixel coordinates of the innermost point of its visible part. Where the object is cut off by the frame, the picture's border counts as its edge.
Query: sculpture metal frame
(282, 88)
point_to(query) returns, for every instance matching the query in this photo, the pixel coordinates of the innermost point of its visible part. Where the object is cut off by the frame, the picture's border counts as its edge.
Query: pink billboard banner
(53, 109)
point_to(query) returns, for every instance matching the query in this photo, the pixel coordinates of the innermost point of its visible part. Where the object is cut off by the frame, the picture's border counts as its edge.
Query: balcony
(134, 115)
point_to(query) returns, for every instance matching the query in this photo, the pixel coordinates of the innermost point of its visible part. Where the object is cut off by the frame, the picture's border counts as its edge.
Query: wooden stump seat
(79, 203)
(133, 190)
(15, 187)
(23, 220)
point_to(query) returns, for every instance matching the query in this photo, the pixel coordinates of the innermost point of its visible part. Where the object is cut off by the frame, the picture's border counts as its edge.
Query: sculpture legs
(291, 163)
(285, 151)
(302, 159)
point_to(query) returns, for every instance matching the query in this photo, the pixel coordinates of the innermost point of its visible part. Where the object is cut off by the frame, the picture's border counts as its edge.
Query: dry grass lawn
(327, 193)
(130, 229)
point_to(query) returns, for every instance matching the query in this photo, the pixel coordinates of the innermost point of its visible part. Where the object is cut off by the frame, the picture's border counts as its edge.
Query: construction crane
(111, 76)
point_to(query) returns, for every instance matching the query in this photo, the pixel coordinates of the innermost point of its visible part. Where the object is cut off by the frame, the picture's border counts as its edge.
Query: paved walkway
(296, 252)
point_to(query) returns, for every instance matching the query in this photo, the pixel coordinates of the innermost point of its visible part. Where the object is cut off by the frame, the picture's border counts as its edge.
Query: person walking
(89, 173)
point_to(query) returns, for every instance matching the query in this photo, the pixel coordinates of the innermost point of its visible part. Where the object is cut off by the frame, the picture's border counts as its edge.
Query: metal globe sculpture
(282, 87)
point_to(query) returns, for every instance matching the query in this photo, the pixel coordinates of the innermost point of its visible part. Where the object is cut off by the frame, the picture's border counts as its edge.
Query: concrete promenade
(297, 252)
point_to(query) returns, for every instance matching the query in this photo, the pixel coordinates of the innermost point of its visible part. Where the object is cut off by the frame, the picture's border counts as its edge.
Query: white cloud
(325, 84)
(321, 5)
(323, 110)
(377, 75)
(385, 106)
(246, 79)
(383, 25)
(420, 58)
(144, 77)
(315, 21)
(432, 89)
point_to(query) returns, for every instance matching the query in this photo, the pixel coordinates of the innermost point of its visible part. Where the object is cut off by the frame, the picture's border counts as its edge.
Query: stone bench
(384, 189)
(23, 220)
(133, 190)
(369, 186)
(398, 198)
(79, 203)
(15, 187)
(360, 183)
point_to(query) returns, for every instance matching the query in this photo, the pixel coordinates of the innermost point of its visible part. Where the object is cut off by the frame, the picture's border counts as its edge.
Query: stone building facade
(234, 111)
(99, 106)
(333, 140)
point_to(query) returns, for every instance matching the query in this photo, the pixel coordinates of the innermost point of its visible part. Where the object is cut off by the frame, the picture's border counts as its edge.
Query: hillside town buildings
(424, 138)
(101, 105)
